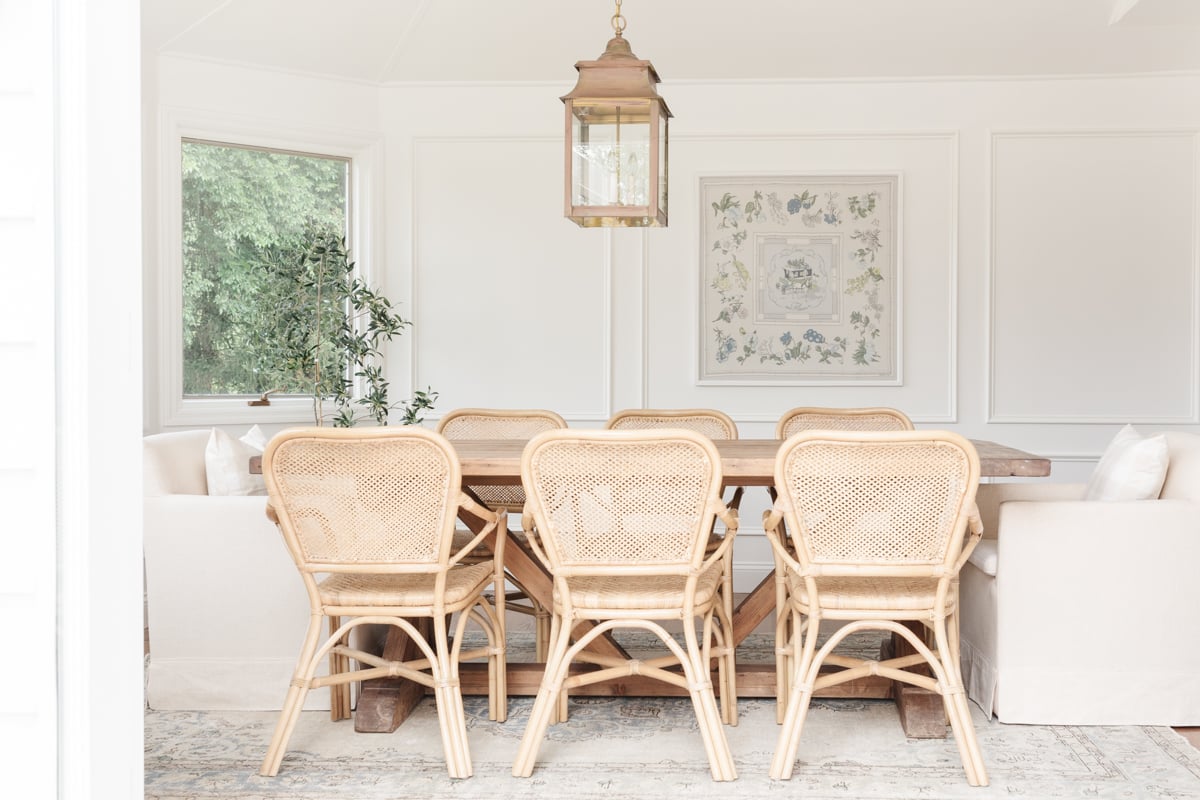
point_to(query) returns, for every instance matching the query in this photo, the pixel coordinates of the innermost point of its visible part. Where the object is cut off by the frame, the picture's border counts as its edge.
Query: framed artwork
(800, 280)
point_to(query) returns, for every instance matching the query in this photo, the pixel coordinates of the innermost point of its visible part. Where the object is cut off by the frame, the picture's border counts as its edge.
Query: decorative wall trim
(644, 389)
(605, 404)
(994, 417)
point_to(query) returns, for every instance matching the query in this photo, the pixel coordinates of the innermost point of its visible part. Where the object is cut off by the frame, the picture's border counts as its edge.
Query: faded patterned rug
(650, 747)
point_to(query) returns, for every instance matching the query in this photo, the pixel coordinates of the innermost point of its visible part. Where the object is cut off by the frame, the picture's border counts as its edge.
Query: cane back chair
(712, 423)
(496, 423)
(877, 522)
(718, 426)
(621, 520)
(374, 512)
(807, 418)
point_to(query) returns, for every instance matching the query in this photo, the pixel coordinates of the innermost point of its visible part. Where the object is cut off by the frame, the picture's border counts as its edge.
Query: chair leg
(547, 700)
(448, 697)
(294, 701)
(704, 701)
(782, 642)
(339, 693)
(804, 672)
(498, 658)
(957, 707)
(726, 665)
(541, 631)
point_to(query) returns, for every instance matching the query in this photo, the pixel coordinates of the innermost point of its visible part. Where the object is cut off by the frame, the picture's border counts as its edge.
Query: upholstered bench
(1083, 612)
(225, 607)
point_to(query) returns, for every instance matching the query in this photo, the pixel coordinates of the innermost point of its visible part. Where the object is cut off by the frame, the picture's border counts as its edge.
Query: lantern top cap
(617, 74)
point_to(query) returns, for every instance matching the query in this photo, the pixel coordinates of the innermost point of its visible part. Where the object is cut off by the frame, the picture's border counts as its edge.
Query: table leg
(754, 608)
(922, 712)
(384, 703)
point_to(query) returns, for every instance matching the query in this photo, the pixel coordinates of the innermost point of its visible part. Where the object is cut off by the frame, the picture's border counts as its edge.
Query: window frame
(364, 237)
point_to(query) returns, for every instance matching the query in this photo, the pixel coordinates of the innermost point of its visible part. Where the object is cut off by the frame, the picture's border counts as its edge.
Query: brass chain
(618, 21)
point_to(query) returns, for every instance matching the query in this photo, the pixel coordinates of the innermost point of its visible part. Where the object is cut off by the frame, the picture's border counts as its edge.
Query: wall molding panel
(847, 152)
(427, 175)
(1122, 320)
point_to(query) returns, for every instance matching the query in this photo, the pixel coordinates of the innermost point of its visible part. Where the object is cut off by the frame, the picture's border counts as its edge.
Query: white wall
(70, 345)
(28, 718)
(1050, 247)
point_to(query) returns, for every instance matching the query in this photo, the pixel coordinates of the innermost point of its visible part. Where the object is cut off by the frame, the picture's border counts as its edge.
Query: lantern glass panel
(610, 154)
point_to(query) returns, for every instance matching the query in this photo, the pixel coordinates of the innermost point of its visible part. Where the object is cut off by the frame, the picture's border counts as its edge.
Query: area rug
(650, 747)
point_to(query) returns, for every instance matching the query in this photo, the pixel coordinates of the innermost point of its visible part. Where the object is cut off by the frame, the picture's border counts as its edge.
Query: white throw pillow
(1133, 467)
(227, 463)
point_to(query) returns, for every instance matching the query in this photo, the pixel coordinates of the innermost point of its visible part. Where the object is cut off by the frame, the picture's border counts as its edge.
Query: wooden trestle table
(384, 704)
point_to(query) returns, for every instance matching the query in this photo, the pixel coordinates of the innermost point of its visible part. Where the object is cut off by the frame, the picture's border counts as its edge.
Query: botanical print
(800, 279)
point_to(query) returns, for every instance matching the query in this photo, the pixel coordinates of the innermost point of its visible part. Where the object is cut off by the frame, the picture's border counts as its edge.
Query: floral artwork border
(800, 280)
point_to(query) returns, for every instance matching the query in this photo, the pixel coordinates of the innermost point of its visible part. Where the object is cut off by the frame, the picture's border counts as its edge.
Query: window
(230, 190)
(242, 208)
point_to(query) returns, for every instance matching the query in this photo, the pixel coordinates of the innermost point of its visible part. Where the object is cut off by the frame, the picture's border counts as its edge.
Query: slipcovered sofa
(1079, 612)
(226, 609)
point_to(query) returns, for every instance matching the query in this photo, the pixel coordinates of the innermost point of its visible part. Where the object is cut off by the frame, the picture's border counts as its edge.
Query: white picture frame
(800, 280)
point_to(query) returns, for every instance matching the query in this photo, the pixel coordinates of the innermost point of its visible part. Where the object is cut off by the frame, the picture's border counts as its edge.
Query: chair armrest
(991, 495)
(1074, 576)
(467, 507)
(775, 529)
(1095, 542)
(194, 543)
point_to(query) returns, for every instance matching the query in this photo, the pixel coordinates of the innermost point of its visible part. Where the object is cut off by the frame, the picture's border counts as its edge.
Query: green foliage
(325, 327)
(271, 301)
(237, 203)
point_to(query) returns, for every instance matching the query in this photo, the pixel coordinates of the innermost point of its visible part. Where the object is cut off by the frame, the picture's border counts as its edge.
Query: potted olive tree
(324, 330)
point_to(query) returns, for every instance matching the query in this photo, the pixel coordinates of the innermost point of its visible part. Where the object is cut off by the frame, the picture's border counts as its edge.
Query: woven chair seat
(885, 594)
(409, 589)
(633, 592)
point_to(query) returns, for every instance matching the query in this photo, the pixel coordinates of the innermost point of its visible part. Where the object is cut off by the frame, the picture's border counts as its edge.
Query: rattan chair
(621, 520)
(718, 426)
(714, 424)
(374, 511)
(877, 524)
(496, 423)
(809, 418)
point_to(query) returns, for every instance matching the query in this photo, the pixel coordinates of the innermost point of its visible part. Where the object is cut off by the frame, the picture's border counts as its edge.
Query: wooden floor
(1191, 734)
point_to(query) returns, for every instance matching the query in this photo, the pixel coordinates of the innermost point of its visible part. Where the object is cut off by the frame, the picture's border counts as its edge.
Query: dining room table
(384, 704)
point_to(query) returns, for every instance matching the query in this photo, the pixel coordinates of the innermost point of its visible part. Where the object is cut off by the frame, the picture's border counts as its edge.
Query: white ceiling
(398, 41)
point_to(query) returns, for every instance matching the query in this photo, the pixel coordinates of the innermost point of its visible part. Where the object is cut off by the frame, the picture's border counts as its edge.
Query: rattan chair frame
(506, 423)
(619, 578)
(716, 425)
(807, 418)
(333, 494)
(804, 418)
(825, 483)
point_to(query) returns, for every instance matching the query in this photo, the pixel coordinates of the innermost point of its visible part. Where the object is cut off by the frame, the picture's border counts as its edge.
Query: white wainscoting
(506, 293)
(1095, 269)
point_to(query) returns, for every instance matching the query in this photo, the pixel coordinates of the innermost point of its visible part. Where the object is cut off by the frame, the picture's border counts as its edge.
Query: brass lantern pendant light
(616, 140)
